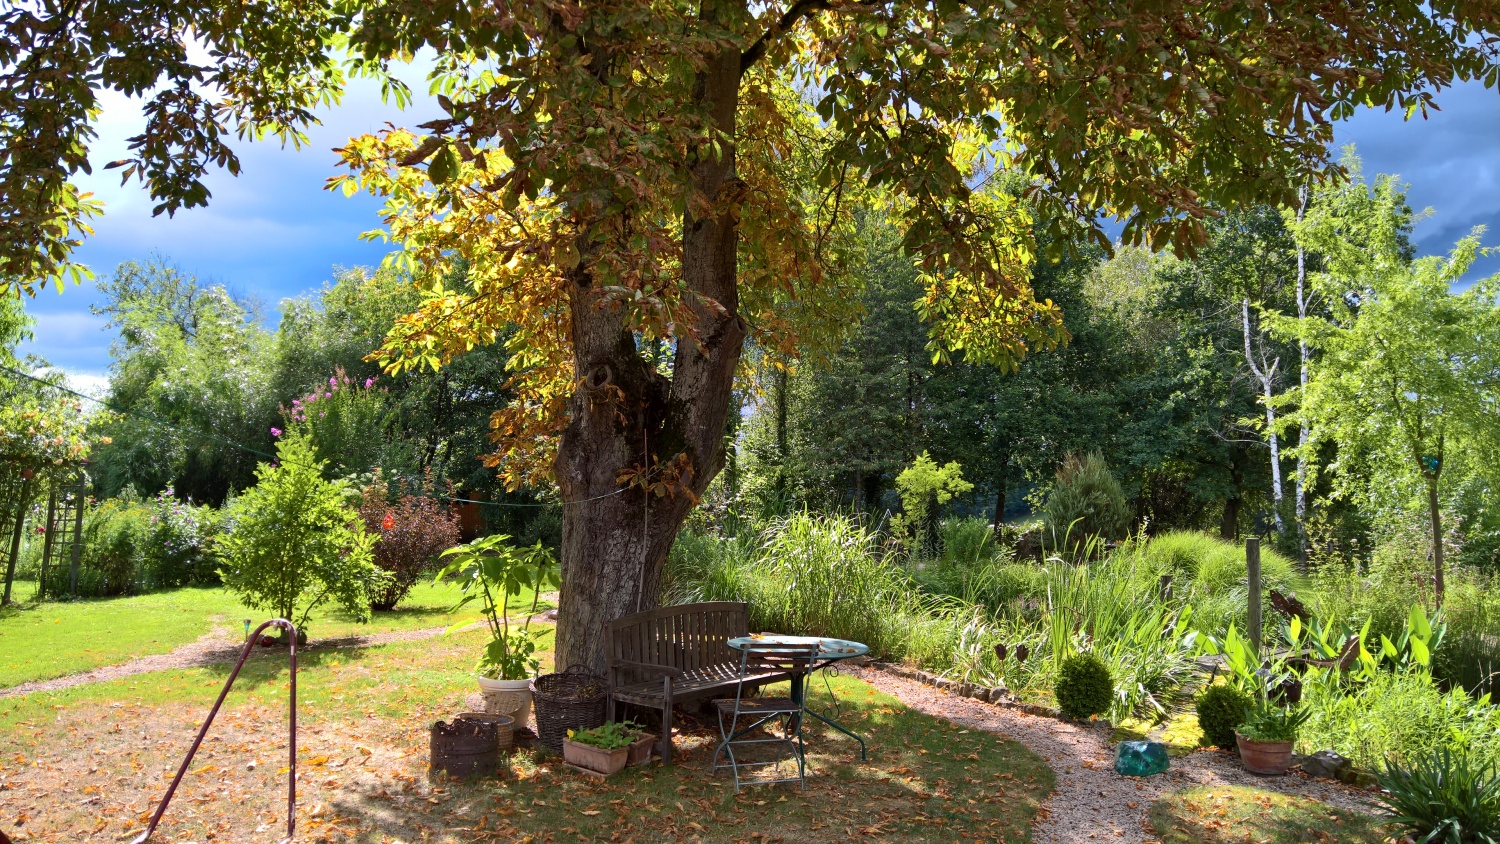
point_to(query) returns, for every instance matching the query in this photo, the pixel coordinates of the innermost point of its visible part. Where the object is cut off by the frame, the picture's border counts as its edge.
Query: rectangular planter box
(594, 759)
(640, 750)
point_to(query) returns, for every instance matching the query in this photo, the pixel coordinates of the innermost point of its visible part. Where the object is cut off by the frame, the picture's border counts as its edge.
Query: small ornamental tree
(411, 532)
(925, 487)
(1086, 502)
(291, 543)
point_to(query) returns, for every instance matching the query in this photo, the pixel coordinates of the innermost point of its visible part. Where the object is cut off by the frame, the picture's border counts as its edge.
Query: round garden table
(830, 651)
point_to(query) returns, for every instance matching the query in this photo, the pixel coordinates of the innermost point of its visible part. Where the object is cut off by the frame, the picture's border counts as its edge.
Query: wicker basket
(571, 700)
(505, 735)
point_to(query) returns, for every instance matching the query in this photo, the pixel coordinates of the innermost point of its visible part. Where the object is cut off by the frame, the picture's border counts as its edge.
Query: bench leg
(666, 721)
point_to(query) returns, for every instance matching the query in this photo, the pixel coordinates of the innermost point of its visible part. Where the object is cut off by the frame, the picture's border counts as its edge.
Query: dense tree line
(201, 386)
(1216, 387)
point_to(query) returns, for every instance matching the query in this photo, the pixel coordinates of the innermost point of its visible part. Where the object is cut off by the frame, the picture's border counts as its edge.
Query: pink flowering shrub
(346, 420)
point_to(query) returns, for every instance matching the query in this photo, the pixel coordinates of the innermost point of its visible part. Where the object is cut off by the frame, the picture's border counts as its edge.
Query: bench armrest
(644, 666)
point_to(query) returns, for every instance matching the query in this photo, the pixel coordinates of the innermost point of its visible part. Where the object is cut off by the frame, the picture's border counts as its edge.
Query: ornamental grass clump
(1446, 797)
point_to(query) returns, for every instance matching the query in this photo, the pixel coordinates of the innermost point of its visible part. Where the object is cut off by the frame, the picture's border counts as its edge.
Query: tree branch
(798, 10)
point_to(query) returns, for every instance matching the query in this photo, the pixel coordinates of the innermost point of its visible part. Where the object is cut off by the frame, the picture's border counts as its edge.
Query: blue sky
(273, 232)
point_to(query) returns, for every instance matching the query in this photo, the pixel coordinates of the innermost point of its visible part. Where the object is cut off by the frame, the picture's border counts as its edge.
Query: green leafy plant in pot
(604, 749)
(493, 572)
(1266, 736)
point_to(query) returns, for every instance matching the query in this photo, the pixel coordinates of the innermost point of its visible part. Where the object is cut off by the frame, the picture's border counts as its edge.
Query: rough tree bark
(626, 415)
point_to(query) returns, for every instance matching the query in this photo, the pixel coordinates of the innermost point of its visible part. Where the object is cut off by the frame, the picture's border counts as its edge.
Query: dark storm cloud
(1450, 160)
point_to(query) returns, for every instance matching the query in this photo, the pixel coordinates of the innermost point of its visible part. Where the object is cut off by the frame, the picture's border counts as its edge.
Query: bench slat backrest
(686, 636)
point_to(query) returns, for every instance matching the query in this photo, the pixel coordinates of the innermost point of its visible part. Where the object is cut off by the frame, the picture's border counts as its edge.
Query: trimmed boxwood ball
(1221, 710)
(1084, 687)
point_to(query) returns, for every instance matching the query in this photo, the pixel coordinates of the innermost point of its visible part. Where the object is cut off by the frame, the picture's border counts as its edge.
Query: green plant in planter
(1084, 687)
(1268, 722)
(1221, 710)
(493, 572)
(612, 736)
(1444, 798)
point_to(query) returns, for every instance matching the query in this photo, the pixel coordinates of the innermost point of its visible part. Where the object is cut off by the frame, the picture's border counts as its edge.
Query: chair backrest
(686, 636)
(764, 657)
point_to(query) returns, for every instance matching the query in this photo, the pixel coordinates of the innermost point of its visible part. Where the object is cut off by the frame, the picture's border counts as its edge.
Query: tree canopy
(622, 173)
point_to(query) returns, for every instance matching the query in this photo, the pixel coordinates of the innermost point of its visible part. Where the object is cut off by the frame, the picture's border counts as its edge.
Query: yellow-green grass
(40, 641)
(1247, 815)
(1179, 732)
(89, 762)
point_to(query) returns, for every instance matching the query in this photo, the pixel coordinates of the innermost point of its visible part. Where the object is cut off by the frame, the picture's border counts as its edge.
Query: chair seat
(758, 705)
(696, 682)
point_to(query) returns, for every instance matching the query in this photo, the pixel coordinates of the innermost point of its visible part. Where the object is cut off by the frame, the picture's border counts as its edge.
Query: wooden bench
(673, 654)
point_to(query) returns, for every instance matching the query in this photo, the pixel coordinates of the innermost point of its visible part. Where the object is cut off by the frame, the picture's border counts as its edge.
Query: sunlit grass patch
(1247, 815)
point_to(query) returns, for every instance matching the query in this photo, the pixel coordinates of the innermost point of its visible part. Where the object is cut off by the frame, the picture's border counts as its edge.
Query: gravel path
(1093, 803)
(216, 646)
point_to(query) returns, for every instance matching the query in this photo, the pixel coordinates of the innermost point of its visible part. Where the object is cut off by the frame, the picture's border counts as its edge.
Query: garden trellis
(41, 507)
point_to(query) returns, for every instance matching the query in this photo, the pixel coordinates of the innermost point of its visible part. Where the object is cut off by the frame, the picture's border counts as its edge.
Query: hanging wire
(190, 432)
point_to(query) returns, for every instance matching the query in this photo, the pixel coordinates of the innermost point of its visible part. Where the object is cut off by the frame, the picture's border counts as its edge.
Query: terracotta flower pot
(1271, 758)
(595, 759)
(640, 750)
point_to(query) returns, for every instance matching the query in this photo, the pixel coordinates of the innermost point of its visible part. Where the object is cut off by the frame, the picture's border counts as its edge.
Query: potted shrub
(603, 750)
(493, 572)
(1266, 736)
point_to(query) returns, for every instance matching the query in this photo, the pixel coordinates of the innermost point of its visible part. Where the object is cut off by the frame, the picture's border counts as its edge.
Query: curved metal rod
(291, 778)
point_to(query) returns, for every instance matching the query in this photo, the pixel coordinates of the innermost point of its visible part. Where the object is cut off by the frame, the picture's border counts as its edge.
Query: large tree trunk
(625, 417)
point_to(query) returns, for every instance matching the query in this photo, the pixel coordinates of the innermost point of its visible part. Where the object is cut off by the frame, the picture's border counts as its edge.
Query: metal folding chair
(765, 716)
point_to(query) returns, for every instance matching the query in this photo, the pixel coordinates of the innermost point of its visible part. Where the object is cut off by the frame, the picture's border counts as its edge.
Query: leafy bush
(291, 543)
(1400, 715)
(968, 543)
(411, 533)
(1221, 710)
(346, 421)
(1444, 798)
(179, 547)
(1085, 502)
(1084, 687)
(114, 536)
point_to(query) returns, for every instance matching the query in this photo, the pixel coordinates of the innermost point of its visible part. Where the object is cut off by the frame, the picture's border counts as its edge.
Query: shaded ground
(1092, 802)
(88, 764)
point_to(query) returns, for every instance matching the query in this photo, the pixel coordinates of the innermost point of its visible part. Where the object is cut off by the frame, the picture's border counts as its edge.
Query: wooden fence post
(1252, 566)
(78, 502)
(48, 539)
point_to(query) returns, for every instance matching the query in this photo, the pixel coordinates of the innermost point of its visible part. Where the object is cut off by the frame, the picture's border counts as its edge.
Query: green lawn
(1246, 815)
(86, 763)
(54, 639)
